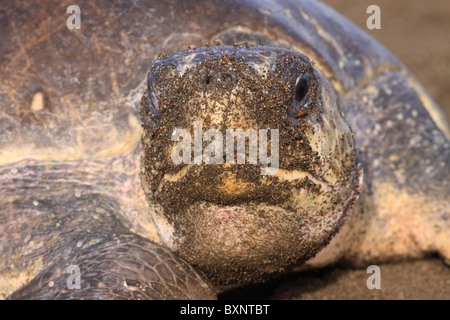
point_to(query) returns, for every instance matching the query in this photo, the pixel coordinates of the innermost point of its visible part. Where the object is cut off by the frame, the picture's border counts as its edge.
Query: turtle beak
(225, 184)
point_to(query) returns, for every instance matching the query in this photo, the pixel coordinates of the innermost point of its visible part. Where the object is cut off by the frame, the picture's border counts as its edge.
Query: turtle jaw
(244, 243)
(250, 241)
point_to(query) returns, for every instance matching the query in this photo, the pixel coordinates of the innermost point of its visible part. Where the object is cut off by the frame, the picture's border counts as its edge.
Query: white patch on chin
(165, 230)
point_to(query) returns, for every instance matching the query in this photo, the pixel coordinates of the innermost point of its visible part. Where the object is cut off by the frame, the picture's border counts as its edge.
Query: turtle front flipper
(404, 211)
(57, 217)
(126, 267)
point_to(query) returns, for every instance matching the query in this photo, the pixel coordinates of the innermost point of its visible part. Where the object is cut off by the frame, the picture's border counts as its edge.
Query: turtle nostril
(227, 79)
(207, 79)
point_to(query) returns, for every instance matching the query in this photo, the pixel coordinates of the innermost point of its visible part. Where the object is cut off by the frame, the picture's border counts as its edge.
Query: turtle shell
(73, 94)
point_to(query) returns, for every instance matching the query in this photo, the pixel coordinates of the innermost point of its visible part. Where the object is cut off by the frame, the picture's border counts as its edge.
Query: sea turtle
(94, 204)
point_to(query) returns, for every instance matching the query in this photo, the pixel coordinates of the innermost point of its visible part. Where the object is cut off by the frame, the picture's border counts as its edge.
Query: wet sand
(427, 279)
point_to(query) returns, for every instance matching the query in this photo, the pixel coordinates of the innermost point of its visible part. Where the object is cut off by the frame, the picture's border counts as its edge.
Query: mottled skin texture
(404, 210)
(66, 220)
(69, 141)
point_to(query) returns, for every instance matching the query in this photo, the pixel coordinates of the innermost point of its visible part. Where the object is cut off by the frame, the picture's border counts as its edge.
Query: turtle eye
(300, 100)
(302, 87)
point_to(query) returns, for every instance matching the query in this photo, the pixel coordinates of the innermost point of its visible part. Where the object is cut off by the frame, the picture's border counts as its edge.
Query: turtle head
(247, 162)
